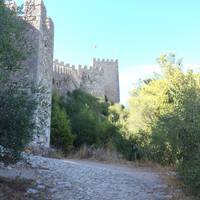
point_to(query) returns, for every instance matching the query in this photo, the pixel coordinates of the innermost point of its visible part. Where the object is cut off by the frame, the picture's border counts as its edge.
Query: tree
(12, 40)
(146, 104)
(181, 126)
(16, 123)
(87, 115)
(164, 119)
(17, 104)
(61, 136)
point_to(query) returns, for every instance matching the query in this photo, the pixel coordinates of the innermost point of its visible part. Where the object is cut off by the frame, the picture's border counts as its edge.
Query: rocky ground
(83, 180)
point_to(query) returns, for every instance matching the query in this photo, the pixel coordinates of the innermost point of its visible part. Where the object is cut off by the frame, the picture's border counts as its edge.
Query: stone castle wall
(101, 79)
(65, 77)
(38, 67)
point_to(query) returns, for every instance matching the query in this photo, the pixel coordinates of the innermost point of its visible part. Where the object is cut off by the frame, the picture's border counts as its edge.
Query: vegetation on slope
(164, 116)
(91, 122)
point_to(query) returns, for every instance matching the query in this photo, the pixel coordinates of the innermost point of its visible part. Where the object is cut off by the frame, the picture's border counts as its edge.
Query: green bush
(79, 99)
(190, 171)
(12, 42)
(164, 119)
(17, 105)
(125, 147)
(61, 136)
(165, 144)
(88, 117)
(85, 127)
(16, 123)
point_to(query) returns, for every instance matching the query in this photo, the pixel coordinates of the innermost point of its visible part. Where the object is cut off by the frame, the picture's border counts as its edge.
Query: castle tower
(40, 34)
(100, 80)
(110, 78)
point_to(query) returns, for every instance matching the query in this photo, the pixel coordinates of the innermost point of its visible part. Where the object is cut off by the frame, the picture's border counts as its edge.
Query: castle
(101, 79)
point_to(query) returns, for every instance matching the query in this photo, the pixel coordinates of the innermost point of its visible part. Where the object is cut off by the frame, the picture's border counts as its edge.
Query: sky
(135, 32)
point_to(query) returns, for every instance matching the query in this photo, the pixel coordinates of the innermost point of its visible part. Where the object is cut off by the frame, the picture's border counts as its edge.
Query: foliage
(164, 119)
(12, 41)
(79, 100)
(88, 116)
(85, 127)
(190, 171)
(118, 116)
(16, 103)
(123, 141)
(146, 105)
(61, 135)
(93, 123)
(16, 124)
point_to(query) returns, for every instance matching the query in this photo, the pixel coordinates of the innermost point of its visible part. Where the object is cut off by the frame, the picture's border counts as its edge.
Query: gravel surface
(84, 180)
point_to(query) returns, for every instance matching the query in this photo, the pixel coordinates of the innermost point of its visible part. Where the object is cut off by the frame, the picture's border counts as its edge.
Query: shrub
(12, 42)
(61, 135)
(190, 171)
(17, 105)
(88, 116)
(164, 119)
(85, 128)
(16, 123)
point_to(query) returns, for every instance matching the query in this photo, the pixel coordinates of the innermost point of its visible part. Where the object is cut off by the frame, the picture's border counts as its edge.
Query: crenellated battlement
(88, 69)
(104, 61)
(34, 13)
(35, 7)
(64, 69)
(49, 23)
(12, 5)
(100, 79)
(68, 69)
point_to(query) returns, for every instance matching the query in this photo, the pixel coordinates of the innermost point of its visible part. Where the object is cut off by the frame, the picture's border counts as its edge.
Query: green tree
(145, 106)
(164, 119)
(88, 116)
(181, 126)
(17, 105)
(12, 40)
(118, 115)
(61, 136)
(122, 139)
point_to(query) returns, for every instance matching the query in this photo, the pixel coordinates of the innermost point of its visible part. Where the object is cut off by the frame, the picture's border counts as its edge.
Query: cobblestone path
(83, 180)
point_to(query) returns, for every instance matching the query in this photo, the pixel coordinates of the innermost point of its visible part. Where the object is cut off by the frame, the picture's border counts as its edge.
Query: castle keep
(101, 79)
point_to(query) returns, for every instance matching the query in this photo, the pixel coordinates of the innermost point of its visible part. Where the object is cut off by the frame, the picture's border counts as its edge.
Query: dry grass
(44, 151)
(58, 154)
(179, 190)
(175, 185)
(99, 154)
(171, 178)
(14, 189)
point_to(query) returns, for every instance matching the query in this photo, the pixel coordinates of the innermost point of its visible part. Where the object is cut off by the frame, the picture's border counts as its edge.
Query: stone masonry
(101, 79)
(37, 70)
(41, 37)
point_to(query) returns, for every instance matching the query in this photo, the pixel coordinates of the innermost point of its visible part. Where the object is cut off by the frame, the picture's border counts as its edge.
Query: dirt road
(84, 180)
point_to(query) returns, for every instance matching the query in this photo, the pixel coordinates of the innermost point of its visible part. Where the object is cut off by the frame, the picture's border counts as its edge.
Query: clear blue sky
(134, 31)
